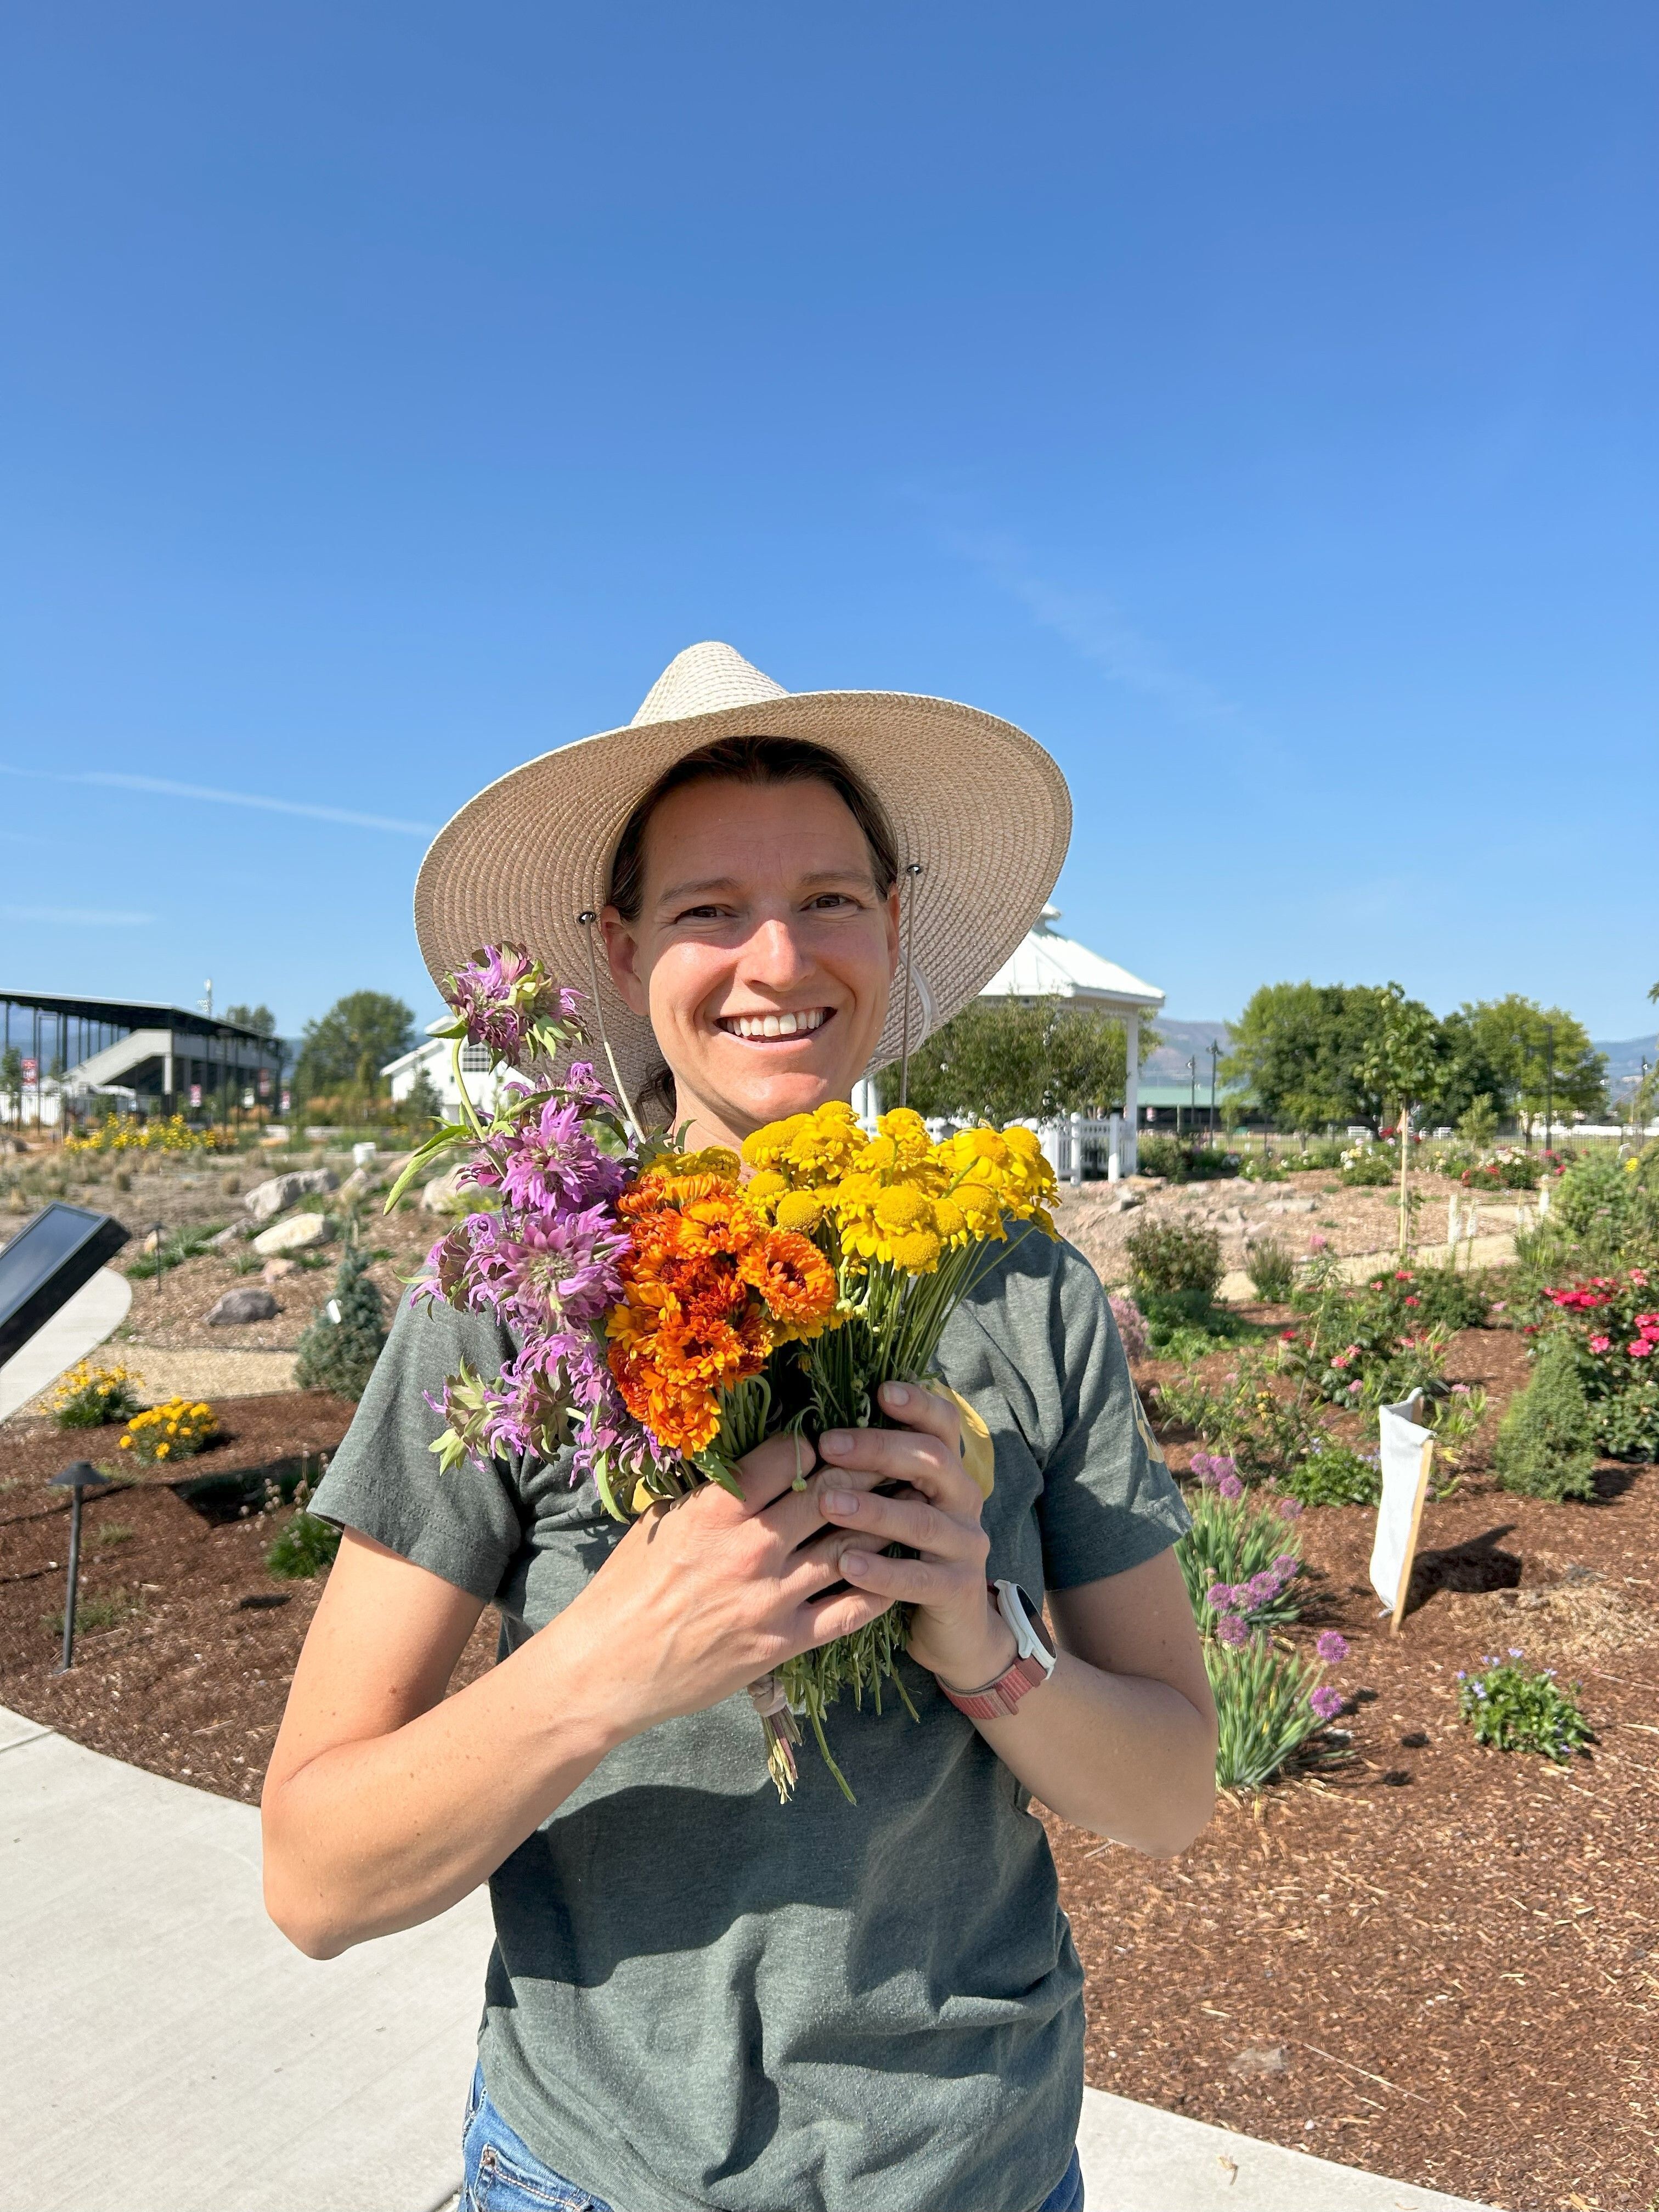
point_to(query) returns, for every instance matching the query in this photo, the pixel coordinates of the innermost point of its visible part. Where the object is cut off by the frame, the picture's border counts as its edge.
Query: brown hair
(751, 761)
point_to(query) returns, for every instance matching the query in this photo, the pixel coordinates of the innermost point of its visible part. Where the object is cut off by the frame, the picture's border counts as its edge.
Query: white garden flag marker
(1408, 1451)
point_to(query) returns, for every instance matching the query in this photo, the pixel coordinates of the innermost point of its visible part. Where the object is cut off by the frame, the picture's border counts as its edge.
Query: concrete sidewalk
(162, 2049)
(78, 1326)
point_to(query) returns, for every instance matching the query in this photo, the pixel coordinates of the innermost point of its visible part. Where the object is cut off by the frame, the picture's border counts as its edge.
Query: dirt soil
(1302, 1208)
(1432, 1960)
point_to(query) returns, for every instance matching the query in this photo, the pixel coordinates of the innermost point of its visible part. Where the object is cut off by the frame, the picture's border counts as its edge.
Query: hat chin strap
(588, 918)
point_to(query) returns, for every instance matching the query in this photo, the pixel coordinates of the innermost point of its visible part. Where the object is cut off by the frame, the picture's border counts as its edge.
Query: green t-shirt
(698, 1997)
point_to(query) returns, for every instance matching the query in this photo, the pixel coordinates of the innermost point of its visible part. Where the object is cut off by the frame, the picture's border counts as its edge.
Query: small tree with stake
(338, 1351)
(1403, 1064)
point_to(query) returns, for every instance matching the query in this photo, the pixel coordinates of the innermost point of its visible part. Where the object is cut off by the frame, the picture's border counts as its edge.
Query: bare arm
(386, 1802)
(1121, 1738)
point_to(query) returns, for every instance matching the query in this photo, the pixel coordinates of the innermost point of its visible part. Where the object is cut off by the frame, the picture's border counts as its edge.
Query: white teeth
(772, 1026)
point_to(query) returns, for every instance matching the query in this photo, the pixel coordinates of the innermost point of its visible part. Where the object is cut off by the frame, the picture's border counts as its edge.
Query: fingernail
(840, 1501)
(856, 1562)
(897, 1393)
(835, 1442)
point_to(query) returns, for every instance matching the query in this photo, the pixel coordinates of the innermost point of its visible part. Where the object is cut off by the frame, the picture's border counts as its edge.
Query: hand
(702, 1596)
(955, 1631)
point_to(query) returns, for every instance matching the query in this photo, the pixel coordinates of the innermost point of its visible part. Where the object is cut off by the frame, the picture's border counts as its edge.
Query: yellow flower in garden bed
(88, 1396)
(177, 1430)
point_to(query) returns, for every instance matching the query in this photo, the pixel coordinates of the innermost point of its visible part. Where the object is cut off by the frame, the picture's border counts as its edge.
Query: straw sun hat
(980, 813)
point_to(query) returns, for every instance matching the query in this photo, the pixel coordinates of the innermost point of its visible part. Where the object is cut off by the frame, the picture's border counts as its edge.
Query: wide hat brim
(975, 801)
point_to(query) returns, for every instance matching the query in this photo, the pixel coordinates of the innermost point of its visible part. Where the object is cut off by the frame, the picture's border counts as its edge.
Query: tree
(1008, 1060)
(1300, 1047)
(421, 1104)
(1404, 1065)
(259, 1019)
(1529, 1058)
(339, 1348)
(347, 1048)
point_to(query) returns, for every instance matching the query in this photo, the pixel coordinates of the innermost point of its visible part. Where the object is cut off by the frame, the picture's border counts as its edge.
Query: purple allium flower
(1287, 1566)
(1229, 1629)
(1229, 1485)
(1331, 1647)
(504, 998)
(1222, 1597)
(1262, 1589)
(1289, 1509)
(1131, 1325)
(1326, 1701)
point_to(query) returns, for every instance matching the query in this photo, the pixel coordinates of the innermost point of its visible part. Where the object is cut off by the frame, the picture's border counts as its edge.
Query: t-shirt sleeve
(384, 1480)
(1108, 1501)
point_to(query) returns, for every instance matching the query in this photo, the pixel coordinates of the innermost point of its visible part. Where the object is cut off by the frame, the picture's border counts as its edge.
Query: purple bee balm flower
(1229, 1485)
(560, 1268)
(1331, 1647)
(1229, 1629)
(549, 1161)
(1327, 1702)
(504, 998)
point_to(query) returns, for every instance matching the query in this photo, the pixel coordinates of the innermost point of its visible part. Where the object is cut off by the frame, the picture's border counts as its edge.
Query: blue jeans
(504, 2174)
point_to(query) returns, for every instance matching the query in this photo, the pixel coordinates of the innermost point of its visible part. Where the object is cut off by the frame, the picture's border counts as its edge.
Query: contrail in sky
(76, 917)
(164, 789)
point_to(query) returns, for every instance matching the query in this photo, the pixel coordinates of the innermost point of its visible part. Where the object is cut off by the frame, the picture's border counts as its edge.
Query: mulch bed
(1432, 1960)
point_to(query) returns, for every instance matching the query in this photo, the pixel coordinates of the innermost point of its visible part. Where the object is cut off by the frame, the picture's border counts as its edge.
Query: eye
(703, 913)
(831, 902)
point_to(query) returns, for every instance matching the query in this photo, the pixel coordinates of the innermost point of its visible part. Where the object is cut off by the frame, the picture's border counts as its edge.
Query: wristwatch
(1033, 1660)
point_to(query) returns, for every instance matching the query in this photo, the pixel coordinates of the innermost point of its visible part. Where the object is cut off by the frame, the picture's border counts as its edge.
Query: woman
(699, 1998)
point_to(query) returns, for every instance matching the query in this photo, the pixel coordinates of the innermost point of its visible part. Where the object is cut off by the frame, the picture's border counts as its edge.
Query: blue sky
(1258, 405)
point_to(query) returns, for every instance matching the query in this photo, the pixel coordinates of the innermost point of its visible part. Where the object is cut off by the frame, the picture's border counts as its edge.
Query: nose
(773, 959)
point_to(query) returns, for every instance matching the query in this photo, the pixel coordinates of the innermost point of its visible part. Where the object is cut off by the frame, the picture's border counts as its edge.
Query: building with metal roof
(127, 1052)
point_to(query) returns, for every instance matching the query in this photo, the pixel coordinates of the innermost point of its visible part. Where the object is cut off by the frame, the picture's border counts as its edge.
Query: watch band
(1033, 1661)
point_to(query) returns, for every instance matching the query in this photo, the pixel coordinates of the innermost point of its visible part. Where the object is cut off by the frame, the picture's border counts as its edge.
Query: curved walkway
(78, 1326)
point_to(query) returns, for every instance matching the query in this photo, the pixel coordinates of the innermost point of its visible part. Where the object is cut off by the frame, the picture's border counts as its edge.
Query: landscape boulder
(267, 1198)
(1293, 1206)
(445, 1195)
(235, 1234)
(300, 1233)
(246, 1303)
(275, 1270)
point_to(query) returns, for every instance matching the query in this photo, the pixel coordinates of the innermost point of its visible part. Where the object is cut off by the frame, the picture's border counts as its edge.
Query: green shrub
(303, 1549)
(88, 1396)
(1546, 1441)
(1627, 1426)
(1272, 1270)
(338, 1350)
(1239, 1558)
(1369, 1167)
(1330, 1473)
(1179, 1161)
(1262, 1433)
(1269, 1703)
(1451, 1300)
(1171, 1257)
(1516, 1708)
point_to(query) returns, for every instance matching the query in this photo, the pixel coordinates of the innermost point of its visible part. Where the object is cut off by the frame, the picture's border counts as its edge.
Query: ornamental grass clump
(1272, 1269)
(88, 1396)
(176, 1431)
(1272, 1704)
(1516, 1708)
(673, 1309)
(1241, 1559)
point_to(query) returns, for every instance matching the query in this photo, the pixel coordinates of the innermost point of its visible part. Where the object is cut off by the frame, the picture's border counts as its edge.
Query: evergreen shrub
(1547, 1440)
(339, 1355)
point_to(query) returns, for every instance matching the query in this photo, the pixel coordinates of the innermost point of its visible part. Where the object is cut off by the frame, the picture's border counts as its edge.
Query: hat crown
(703, 679)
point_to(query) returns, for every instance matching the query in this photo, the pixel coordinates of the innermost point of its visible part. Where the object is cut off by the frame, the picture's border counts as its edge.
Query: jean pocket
(500, 2185)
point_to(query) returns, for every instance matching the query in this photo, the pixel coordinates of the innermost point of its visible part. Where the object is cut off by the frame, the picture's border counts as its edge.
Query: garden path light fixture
(81, 1480)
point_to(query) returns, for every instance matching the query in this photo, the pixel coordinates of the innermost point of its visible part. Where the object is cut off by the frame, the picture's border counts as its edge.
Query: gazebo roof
(1045, 965)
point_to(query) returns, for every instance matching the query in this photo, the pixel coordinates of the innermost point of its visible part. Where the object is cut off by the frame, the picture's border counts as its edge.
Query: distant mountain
(1625, 1061)
(1183, 1040)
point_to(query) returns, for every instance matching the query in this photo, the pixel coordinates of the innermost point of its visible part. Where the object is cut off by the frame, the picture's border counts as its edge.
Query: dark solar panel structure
(45, 1263)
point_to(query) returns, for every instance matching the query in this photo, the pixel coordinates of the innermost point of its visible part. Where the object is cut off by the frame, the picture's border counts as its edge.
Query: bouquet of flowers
(673, 1309)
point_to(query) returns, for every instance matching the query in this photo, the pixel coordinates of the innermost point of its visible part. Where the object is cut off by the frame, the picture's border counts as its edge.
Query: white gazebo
(1045, 965)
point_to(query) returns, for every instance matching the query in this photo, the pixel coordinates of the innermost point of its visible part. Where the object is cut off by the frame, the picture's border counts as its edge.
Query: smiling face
(763, 951)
